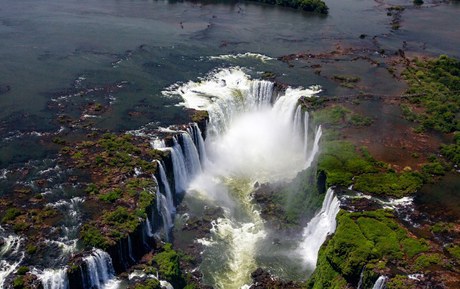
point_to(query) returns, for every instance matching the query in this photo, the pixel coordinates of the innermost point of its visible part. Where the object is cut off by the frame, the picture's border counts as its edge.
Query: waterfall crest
(316, 231)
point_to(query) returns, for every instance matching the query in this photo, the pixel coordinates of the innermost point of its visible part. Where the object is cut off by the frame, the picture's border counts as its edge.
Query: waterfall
(315, 148)
(316, 231)
(10, 256)
(306, 117)
(197, 137)
(149, 228)
(163, 209)
(158, 143)
(253, 135)
(297, 127)
(53, 279)
(361, 276)
(262, 93)
(166, 188)
(179, 168)
(100, 270)
(191, 157)
(130, 249)
(380, 283)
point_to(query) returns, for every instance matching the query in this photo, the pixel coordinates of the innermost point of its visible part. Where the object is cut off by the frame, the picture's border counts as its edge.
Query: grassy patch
(389, 183)
(362, 239)
(437, 86)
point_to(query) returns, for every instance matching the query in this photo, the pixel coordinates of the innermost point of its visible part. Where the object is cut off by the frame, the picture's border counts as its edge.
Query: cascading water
(163, 209)
(380, 283)
(253, 135)
(191, 157)
(197, 137)
(53, 279)
(10, 256)
(318, 229)
(100, 270)
(68, 241)
(179, 167)
(166, 188)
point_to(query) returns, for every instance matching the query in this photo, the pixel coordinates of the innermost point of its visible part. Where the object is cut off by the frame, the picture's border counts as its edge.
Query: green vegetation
(341, 161)
(317, 6)
(426, 260)
(337, 115)
(31, 249)
(398, 282)
(452, 151)
(92, 237)
(389, 183)
(362, 239)
(418, 2)
(10, 215)
(300, 198)
(117, 224)
(111, 196)
(169, 266)
(454, 250)
(360, 120)
(436, 84)
(18, 282)
(149, 284)
(22, 270)
(111, 161)
(344, 165)
(348, 81)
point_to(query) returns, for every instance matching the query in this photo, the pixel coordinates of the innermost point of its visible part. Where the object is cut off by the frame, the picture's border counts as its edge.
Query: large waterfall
(253, 135)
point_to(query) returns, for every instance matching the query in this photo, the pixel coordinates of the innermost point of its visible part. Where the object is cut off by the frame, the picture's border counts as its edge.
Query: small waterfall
(192, 159)
(10, 256)
(163, 209)
(179, 168)
(149, 228)
(53, 279)
(315, 148)
(297, 125)
(197, 137)
(322, 224)
(166, 188)
(100, 270)
(306, 118)
(130, 249)
(158, 143)
(380, 283)
(360, 283)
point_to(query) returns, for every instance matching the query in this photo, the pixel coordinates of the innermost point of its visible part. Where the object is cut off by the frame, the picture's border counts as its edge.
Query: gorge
(197, 145)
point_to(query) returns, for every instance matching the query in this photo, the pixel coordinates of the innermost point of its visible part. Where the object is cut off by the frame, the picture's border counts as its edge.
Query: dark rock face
(321, 182)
